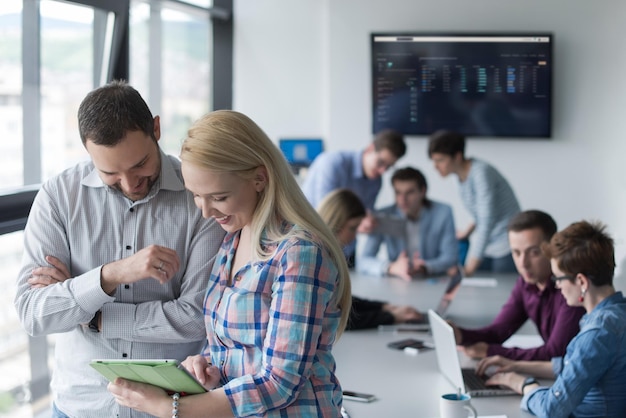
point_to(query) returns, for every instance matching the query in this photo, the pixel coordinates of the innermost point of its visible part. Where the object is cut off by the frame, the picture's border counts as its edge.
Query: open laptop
(446, 299)
(450, 366)
(423, 324)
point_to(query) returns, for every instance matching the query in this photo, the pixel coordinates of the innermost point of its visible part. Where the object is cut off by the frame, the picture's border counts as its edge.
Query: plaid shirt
(271, 332)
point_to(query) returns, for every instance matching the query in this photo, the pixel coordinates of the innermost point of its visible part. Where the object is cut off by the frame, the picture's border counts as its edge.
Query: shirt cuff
(88, 291)
(526, 398)
(113, 318)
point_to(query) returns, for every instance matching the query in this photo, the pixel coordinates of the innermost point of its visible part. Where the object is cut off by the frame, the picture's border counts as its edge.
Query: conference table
(409, 384)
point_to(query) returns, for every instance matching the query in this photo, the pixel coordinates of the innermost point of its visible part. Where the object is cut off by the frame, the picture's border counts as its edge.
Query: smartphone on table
(358, 396)
(410, 345)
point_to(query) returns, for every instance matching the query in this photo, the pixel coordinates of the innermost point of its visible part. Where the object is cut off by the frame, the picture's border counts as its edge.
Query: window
(174, 74)
(52, 53)
(67, 75)
(11, 156)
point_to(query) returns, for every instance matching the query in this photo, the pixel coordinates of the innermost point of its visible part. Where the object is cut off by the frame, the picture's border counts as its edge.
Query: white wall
(302, 69)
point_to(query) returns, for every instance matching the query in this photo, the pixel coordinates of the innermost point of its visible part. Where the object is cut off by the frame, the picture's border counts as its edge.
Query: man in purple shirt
(534, 297)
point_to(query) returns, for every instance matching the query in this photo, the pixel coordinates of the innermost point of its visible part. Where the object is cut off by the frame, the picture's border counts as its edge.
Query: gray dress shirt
(86, 224)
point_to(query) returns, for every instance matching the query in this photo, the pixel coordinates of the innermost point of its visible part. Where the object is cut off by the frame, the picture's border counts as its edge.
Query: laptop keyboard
(473, 381)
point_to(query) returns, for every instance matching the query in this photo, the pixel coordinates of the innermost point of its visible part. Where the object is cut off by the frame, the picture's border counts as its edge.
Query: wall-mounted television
(485, 85)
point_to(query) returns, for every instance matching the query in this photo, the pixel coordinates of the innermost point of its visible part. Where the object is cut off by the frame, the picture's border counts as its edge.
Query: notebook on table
(449, 365)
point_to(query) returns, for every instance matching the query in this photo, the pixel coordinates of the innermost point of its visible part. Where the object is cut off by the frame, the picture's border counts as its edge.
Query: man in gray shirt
(487, 196)
(116, 256)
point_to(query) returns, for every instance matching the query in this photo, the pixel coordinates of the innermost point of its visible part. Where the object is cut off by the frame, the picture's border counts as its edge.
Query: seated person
(534, 297)
(342, 210)
(590, 378)
(429, 245)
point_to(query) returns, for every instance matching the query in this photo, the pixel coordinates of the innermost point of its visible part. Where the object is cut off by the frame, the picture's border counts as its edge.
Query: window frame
(15, 204)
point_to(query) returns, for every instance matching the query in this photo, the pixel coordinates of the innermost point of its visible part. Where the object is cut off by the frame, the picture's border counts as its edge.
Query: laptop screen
(450, 292)
(445, 347)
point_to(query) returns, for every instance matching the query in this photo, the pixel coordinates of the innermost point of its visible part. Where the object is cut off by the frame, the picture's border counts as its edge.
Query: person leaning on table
(590, 379)
(487, 196)
(342, 211)
(279, 292)
(534, 297)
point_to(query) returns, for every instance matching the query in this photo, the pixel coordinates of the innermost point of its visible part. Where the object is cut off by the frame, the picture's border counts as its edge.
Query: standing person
(429, 245)
(533, 297)
(279, 294)
(590, 377)
(487, 196)
(359, 171)
(342, 210)
(116, 258)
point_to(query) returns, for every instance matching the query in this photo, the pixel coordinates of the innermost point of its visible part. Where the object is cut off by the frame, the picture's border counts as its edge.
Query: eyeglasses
(381, 163)
(566, 277)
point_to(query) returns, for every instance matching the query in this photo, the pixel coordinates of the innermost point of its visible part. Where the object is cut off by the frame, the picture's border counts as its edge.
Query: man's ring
(160, 266)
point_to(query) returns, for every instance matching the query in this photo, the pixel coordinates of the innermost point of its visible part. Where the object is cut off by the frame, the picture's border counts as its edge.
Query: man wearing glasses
(359, 171)
(534, 297)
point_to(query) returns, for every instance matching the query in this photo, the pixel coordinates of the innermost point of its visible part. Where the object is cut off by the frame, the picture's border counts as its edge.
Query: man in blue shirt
(359, 171)
(427, 244)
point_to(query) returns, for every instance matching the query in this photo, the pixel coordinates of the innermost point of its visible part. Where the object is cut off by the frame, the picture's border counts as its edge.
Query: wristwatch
(93, 324)
(529, 381)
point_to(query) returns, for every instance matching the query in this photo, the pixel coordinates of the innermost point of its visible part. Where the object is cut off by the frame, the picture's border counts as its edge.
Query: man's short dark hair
(446, 142)
(584, 247)
(107, 113)
(530, 219)
(390, 140)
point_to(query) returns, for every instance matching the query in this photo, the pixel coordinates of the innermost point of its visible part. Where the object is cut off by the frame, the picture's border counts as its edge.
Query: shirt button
(132, 209)
(557, 393)
(126, 286)
(128, 247)
(222, 363)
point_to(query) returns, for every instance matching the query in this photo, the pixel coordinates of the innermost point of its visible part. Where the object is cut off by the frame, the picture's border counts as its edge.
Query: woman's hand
(142, 397)
(502, 364)
(207, 374)
(510, 379)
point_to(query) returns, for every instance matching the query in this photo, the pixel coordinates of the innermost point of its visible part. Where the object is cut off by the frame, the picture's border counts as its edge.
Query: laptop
(445, 301)
(448, 360)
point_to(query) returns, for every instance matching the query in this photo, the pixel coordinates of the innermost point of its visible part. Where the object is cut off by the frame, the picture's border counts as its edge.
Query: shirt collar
(169, 178)
(614, 298)
(549, 288)
(402, 215)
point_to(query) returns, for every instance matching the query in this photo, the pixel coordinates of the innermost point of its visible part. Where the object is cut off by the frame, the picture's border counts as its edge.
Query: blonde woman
(342, 210)
(279, 292)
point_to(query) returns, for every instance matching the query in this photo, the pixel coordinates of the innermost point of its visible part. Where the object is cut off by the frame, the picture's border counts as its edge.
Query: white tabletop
(409, 385)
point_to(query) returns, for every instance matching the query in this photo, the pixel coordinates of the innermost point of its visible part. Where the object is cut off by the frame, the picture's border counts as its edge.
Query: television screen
(300, 152)
(476, 84)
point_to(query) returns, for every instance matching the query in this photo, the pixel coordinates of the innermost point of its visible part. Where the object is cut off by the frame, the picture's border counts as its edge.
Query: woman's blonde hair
(230, 142)
(339, 207)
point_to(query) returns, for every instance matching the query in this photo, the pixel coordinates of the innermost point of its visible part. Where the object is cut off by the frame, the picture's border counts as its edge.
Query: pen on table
(344, 413)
